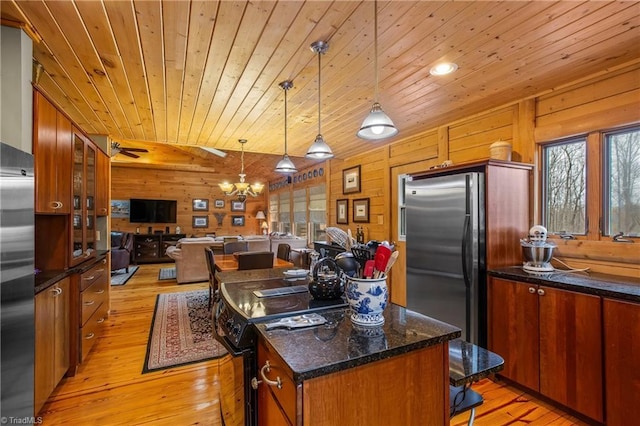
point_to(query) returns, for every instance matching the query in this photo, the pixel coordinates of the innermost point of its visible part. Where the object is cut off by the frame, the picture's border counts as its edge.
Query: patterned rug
(167, 274)
(121, 276)
(181, 331)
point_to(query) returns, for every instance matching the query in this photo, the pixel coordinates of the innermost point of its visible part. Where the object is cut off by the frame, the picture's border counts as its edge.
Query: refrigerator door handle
(465, 242)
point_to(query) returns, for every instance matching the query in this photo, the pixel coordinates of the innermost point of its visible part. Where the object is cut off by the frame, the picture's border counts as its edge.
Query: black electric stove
(237, 308)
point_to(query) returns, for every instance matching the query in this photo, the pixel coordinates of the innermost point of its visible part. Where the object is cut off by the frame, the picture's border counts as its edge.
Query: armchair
(191, 263)
(121, 248)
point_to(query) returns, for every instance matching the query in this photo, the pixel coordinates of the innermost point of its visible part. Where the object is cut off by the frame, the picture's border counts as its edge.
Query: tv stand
(152, 248)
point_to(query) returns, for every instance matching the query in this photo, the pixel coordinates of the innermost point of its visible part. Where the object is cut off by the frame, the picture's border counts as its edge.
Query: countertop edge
(601, 285)
(45, 279)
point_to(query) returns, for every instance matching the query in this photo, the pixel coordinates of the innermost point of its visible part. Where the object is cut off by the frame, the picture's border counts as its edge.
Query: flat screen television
(152, 211)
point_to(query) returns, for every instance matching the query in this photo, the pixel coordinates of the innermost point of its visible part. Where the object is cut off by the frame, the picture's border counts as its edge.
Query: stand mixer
(537, 252)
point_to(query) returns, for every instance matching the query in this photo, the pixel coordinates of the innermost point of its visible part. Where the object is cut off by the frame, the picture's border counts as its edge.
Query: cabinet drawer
(90, 332)
(286, 396)
(94, 296)
(97, 272)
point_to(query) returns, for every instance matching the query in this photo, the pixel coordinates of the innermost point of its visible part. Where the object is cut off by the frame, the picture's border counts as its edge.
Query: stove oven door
(237, 399)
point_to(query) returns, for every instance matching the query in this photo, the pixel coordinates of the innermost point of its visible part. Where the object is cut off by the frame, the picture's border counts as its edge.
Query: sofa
(191, 263)
(121, 248)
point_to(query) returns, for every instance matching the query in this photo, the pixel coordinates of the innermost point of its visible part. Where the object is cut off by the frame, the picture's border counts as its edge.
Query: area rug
(181, 331)
(121, 276)
(167, 274)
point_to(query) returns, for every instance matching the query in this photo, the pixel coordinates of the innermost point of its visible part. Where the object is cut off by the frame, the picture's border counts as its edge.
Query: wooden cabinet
(52, 148)
(621, 359)
(103, 179)
(152, 247)
(551, 341)
(90, 310)
(83, 217)
(51, 339)
(373, 393)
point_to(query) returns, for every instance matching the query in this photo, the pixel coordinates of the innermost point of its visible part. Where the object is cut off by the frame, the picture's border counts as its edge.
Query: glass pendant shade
(377, 125)
(242, 188)
(319, 150)
(286, 165)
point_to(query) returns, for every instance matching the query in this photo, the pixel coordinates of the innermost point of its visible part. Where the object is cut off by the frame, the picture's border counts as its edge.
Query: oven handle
(266, 367)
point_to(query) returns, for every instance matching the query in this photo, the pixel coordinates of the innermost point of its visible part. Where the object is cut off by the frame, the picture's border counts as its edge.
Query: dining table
(229, 262)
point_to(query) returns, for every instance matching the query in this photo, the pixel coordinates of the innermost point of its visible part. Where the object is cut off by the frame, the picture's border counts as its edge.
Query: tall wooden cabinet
(551, 342)
(52, 339)
(83, 229)
(52, 149)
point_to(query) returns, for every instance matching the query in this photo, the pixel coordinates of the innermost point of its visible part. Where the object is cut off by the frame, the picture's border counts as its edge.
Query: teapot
(326, 281)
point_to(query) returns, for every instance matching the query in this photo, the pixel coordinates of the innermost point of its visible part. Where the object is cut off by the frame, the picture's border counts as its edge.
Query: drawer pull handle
(99, 271)
(532, 290)
(56, 205)
(57, 291)
(89, 336)
(100, 291)
(89, 302)
(89, 278)
(266, 368)
(100, 320)
(540, 292)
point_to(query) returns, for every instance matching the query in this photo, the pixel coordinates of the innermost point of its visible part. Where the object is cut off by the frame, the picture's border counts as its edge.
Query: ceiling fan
(117, 149)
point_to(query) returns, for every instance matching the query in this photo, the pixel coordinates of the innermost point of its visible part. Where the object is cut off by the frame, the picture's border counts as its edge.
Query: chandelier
(242, 189)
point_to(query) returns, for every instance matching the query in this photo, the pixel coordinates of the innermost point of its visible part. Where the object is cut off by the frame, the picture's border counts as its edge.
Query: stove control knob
(236, 330)
(229, 323)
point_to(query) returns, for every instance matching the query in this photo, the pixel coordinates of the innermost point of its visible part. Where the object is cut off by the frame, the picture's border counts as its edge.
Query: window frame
(596, 157)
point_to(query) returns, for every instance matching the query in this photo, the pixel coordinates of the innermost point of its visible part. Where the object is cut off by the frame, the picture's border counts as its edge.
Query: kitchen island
(337, 372)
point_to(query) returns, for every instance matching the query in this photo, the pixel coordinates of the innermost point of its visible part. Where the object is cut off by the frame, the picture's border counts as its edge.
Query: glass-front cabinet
(84, 191)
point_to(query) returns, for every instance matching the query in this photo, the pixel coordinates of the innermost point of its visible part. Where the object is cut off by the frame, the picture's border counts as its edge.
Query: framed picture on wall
(237, 206)
(200, 204)
(342, 211)
(361, 210)
(219, 204)
(351, 180)
(237, 220)
(200, 221)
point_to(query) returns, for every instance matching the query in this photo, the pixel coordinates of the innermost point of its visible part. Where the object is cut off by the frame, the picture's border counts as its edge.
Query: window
(591, 185)
(565, 187)
(284, 214)
(317, 213)
(300, 212)
(621, 193)
(273, 212)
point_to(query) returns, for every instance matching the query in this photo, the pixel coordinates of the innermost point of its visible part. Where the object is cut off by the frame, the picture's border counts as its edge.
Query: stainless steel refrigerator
(446, 251)
(17, 283)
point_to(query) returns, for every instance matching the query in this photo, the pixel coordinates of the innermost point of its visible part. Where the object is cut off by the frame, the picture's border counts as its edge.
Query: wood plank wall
(183, 186)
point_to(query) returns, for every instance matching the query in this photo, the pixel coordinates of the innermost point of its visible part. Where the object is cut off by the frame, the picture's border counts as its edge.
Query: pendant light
(319, 150)
(377, 125)
(241, 188)
(285, 165)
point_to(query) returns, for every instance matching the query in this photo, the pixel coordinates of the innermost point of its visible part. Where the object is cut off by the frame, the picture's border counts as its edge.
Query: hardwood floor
(110, 389)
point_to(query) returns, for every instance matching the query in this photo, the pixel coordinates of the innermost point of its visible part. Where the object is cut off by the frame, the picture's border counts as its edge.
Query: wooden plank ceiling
(206, 73)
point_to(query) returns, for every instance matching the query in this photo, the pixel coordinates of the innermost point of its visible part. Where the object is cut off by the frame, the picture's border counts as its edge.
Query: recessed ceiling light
(443, 68)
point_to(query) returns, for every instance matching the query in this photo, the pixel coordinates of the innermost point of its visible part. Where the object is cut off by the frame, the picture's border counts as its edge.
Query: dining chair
(211, 265)
(255, 260)
(231, 247)
(284, 252)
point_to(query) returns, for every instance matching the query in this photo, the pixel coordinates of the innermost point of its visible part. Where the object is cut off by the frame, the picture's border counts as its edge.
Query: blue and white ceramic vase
(367, 299)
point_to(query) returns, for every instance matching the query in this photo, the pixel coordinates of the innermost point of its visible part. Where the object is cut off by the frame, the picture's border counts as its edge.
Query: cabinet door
(571, 350)
(83, 218)
(61, 332)
(103, 176)
(44, 343)
(513, 329)
(52, 158)
(621, 359)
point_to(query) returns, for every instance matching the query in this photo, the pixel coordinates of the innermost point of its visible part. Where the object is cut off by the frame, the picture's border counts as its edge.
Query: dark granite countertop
(45, 279)
(251, 275)
(613, 286)
(339, 344)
